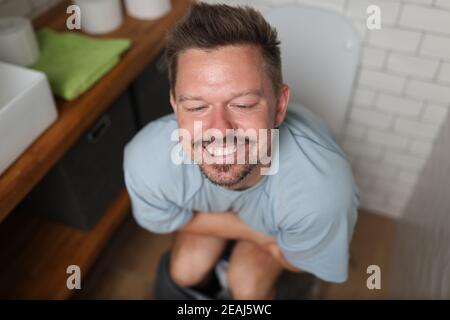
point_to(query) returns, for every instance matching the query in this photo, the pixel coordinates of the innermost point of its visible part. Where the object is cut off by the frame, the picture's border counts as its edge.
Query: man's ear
(172, 101)
(282, 104)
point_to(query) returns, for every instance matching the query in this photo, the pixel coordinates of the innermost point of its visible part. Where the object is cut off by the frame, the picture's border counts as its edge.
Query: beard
(226, 175)
(221, 172)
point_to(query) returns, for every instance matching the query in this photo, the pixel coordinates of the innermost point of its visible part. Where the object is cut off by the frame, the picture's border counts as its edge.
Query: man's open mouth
(214, 152)
(221, 151)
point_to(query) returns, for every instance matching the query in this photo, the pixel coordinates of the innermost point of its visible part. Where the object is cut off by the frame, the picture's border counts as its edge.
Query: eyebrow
(256, 92)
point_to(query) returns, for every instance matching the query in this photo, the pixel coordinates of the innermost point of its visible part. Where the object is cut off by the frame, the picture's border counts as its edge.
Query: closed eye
(243, 106)
(199, 108)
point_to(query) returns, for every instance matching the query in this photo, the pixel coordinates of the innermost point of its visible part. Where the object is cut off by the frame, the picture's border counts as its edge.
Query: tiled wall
(420, 268)
(401, 96)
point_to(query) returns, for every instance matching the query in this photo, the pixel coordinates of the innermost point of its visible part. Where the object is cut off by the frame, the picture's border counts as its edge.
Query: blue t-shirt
(309, 205)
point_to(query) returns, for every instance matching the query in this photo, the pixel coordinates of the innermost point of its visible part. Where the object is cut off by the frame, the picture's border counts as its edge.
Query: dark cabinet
(150, 92)
(81, 186)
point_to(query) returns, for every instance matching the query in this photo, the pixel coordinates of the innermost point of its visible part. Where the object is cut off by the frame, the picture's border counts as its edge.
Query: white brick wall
(411, 65)
(425, 18)
(435, 114)
(372, 57)
(398, 105)
(429, 91)
(364, 97)
(387, 139)
(401, 94)
(371, 118)
(395, 39)
(421, 148)
(381, 80)
(442, 4)
(444, 73)
(436, 46)
(356, 9)
(415, 128)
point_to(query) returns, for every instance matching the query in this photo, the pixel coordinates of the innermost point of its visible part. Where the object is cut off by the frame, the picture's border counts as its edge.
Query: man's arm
(228, 225)
(276, 252)
(225, 225)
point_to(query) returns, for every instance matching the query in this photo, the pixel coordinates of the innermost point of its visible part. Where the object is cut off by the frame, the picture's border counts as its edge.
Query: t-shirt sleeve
(319, 245)
(154, 201)
(316, 233)
(153, 213)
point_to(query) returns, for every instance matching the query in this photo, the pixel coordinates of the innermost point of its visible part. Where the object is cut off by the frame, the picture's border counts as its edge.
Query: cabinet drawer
(82, 185)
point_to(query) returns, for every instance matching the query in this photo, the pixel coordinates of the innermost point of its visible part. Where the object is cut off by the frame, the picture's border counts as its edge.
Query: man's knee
(187, 268)
(192, 258)
(247, 287)
(252, 273)
(241, 288)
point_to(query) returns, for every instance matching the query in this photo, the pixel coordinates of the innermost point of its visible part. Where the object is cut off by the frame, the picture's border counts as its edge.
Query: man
(225, 74)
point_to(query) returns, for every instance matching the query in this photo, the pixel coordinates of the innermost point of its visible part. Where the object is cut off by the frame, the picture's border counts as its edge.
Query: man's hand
(276, 252)
(270, 245)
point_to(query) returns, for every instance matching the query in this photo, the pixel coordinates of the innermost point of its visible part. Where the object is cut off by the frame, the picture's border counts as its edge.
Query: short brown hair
(208, 26)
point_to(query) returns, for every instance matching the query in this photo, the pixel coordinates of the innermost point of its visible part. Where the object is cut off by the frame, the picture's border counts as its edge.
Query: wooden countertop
(34, 251)
(76, 116)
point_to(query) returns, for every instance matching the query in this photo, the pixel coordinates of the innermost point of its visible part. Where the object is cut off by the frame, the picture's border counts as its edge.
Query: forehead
(232, 68)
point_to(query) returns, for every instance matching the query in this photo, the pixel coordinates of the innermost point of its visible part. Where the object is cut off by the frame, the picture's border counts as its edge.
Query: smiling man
(225, 75)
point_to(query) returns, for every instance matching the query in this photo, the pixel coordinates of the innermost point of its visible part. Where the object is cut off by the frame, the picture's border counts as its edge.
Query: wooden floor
(372, 244)
(127, 267)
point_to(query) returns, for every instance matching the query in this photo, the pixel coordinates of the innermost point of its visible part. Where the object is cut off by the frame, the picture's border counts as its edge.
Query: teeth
(219, 151)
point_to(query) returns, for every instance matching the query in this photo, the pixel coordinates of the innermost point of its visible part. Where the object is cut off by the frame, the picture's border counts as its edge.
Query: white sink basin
(27, 108)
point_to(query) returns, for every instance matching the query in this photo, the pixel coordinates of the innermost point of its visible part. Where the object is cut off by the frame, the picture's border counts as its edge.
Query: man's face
(222, 90)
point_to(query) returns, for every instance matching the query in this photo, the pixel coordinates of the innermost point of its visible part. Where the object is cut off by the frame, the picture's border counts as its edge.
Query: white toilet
(320, 54)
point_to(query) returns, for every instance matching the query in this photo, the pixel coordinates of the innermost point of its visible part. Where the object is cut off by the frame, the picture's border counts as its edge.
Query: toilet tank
(320, 53)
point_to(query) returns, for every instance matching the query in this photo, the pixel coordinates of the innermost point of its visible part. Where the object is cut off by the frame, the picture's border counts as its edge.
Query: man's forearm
(225, 225)
(277, 254)
(228, 225)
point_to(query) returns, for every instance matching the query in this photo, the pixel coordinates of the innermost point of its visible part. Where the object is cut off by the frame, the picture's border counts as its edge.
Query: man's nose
(220, 120)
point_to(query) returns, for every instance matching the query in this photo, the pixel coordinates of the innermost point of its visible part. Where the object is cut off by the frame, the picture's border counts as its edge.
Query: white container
(147, 9)
(27, 109)
(18, 43)
(100, 16)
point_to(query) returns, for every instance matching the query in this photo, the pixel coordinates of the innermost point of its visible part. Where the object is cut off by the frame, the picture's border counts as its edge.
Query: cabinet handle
(99, 129)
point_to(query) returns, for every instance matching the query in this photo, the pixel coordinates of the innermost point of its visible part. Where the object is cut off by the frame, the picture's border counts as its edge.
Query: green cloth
(74, 62)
